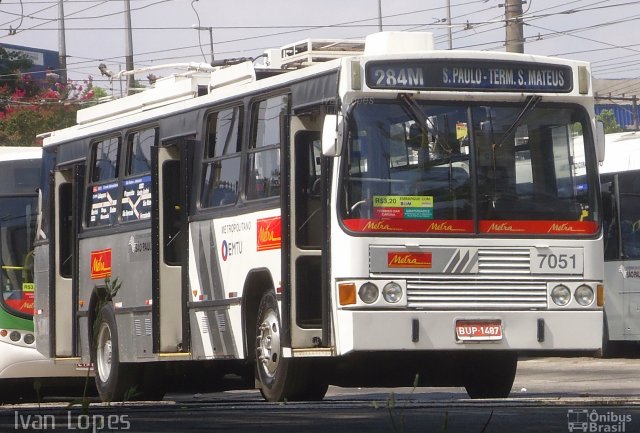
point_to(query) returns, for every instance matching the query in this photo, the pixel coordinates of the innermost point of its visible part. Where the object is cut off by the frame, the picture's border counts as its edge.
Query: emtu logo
(230, 249)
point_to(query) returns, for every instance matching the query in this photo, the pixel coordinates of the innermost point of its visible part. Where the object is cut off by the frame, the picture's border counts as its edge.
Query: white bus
(620, 178)
(21, 365)
(346, 213)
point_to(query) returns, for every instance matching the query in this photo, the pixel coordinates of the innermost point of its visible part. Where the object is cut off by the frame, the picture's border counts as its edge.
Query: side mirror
(600, 146)
(332, 135)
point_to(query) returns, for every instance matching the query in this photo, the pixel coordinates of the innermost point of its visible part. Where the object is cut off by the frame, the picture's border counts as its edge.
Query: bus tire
(113, 379)
(490, 374)
(280, 378)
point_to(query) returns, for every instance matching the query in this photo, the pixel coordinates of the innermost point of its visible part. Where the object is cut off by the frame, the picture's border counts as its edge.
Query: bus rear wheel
(113, 378)
(490, 374)
(282, 379)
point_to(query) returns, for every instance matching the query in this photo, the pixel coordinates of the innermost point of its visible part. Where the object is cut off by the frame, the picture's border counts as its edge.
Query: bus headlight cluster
(18, 337)
(561, 295)
(584, 295)
(368, 293)
(392, 292)
(379, 293)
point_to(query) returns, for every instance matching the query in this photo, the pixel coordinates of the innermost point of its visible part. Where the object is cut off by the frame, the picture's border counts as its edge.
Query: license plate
(478, 330)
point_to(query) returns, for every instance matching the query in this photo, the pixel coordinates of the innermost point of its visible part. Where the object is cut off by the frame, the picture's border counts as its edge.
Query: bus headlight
(15, 336)
(29, 338)
(368, 293)
(584, 295)
(392, 292)
(561, 295)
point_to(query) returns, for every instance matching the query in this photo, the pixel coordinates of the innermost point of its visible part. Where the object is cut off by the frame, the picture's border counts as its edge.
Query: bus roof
(12, 153)
(202, 85)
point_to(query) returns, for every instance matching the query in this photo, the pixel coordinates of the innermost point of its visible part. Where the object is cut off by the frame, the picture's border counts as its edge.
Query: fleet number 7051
(557, 261)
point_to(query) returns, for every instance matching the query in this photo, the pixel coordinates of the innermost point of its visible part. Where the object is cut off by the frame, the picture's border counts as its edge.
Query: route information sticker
(403, 207)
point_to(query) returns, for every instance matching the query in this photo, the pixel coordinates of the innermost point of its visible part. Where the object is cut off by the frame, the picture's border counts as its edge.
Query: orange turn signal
(347, 293)
(600, 295)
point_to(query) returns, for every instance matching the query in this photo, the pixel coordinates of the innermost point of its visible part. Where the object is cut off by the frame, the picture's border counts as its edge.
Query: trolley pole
(514, 41)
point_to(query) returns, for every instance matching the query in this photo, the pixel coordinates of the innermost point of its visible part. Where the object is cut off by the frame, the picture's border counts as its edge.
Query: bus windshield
(415, 166)
(17, 230)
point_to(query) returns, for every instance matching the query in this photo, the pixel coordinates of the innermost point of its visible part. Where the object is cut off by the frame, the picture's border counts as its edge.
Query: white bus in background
(620, 178)
(346, 213)
(21, 365)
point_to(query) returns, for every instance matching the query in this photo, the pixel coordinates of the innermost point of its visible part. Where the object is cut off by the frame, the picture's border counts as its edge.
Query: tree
(11, 63)
(609, 120)
(25, 113)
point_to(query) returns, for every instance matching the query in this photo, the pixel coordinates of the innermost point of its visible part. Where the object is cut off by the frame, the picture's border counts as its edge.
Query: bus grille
(503, 281)
(476, 294)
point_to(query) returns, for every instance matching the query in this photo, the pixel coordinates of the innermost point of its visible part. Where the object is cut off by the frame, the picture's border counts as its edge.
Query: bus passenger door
(68, 187)
(169, 235)
(307, 232)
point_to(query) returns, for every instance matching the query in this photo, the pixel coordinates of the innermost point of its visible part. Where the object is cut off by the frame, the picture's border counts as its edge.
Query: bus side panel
(125, 257)
(42, 309)
(614, 290)
(222, 254)
(212, 328)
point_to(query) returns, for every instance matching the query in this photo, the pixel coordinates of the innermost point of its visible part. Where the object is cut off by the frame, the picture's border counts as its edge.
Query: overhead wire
(479, 28)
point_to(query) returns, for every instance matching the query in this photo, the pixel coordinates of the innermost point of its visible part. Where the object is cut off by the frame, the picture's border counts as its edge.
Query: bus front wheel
(281, 378)
(490, 374)
(113, 378)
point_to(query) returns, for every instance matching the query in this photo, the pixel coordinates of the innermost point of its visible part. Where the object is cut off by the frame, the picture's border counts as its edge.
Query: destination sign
(464, 74)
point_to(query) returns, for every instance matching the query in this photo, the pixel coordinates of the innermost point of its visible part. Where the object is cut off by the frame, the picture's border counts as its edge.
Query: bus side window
(137, 175)
(630, 213)
(103, 185)
(610, 225)
(264, 148)
(221, 166)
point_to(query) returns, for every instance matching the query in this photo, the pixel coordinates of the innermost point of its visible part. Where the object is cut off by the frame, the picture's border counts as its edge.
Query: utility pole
(129, 47)
(379, 15)
(514, 41)
(62, 45)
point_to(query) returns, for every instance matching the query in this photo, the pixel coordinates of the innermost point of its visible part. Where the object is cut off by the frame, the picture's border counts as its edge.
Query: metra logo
(380, 226)
(503, 227)
(409, 260)
(443, 226)
(269, 234)
(563, 228)
(100, 264)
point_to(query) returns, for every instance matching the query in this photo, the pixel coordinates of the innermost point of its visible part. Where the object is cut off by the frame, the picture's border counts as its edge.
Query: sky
(605, 33)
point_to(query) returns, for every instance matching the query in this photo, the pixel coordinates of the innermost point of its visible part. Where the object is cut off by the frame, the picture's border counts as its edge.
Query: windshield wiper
(416, 112)
(529, 105)
(423, 121)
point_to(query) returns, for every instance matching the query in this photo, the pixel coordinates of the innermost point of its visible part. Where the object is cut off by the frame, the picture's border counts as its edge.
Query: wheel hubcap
(268, 344)
(104, 352)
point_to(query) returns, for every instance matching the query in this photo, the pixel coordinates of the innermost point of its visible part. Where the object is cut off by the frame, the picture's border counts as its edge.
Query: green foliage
(610, 123)
(11, 63)
(21, 125)
(30, 107)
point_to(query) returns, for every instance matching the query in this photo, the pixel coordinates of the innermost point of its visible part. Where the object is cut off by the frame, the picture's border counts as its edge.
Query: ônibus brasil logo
(585, 420)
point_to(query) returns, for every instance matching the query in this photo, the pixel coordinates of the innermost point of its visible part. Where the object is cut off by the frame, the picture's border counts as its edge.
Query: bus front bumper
(465, 330)
(24, 362)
